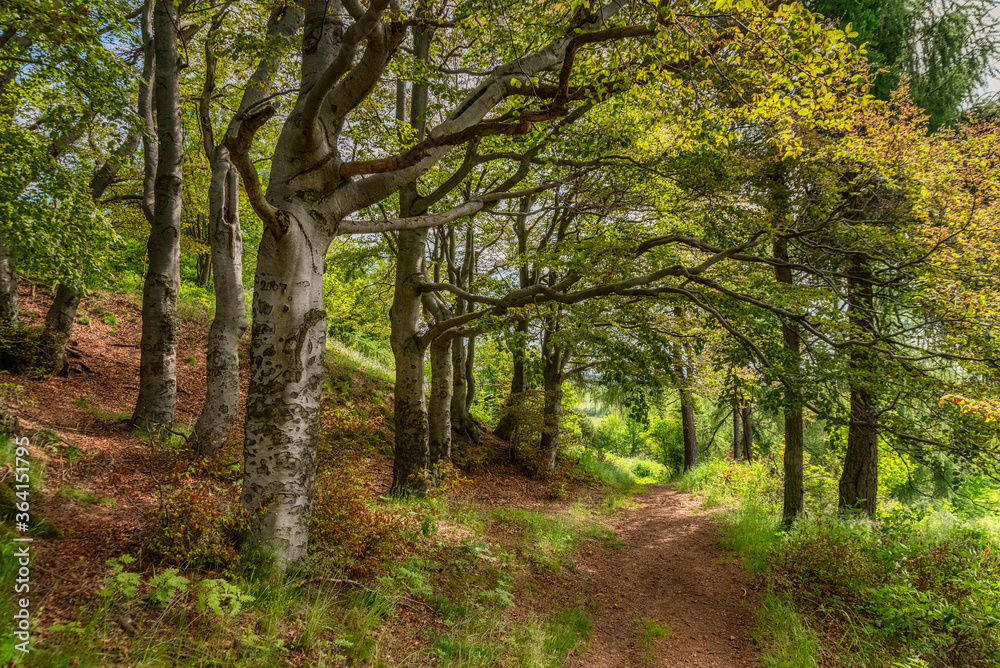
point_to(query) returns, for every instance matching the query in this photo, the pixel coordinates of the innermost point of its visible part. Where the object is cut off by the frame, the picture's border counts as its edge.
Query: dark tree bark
(737, 431)
(688, 427)
(858, 487)
(507, 425)
(746, 418)
(555, 358)
(62, 312)
(794, 489)
(470, 375)
(154, 407)
(439, 407)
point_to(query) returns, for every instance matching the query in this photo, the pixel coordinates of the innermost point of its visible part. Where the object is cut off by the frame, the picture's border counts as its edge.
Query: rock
(8, 421)
(46, 529)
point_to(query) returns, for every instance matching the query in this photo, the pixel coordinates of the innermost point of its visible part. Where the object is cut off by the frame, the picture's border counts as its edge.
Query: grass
(617, 475)
(86, 404)
(551, 540)
(753, 534)
(81, 495)
(784, 635)
(651, 630)
(380, 366)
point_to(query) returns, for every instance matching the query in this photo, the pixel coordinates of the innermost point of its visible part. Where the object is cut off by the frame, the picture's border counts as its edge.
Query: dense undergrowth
(389, 582)
(917, 587)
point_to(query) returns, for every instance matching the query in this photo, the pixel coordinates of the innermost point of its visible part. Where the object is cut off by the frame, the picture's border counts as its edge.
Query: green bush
(925, 591)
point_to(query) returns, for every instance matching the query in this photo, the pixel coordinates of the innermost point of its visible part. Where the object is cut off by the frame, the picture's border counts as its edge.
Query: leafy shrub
(727, 482)
(913, 589)
(348, 533)
(196, 524)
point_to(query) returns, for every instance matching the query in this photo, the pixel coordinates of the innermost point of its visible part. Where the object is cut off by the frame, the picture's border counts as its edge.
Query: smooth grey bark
(439, 403)
(439, 407)
(737, 431)
(794, 485)
(683, 373)
(62, 312)
(311, 194)
(154, 408)
(555, 358)
(225, 237)
(412, 454)
(147, 111)
(9, 301)
(858, 487)
(222, 394)
(288, 353)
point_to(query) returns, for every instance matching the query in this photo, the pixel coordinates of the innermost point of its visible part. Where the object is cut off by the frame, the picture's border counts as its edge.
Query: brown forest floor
(668, 568)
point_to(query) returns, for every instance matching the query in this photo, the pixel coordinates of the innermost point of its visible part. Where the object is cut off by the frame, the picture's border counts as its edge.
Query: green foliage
(349, 533)
(725, 482)
(786, 637)
(651, 630)
(551, 541)
(198, 524)
(924, 590)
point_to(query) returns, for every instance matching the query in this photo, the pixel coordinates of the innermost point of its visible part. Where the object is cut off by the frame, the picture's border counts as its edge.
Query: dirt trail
(671, 571)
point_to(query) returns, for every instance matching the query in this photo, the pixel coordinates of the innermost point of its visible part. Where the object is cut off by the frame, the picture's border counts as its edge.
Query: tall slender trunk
(222, 395)
(552, 405)
(737, 431)
(688, 427)
(507, 425)
(794, 489)
(470, 377)
(858, 488)
(9, 302)
(412, 448)
(288, 349)
(746, 417)
(439, 407)
(683, 373)
(160, 325)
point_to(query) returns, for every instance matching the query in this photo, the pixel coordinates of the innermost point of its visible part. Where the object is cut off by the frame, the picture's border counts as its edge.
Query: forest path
(669, 570)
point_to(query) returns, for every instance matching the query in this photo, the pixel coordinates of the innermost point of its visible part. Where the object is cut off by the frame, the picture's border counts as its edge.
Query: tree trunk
(461, 421)
(62, 312)
(746, 417)
(737, 432)
(794, 489)
(288, 349)
(688, 428)
(412, 448)
(9, 303)
(552, 411)
(439, 409)
(154, 407)
(222, 396)
(507, 425)
(470, 377)
(859, 481)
